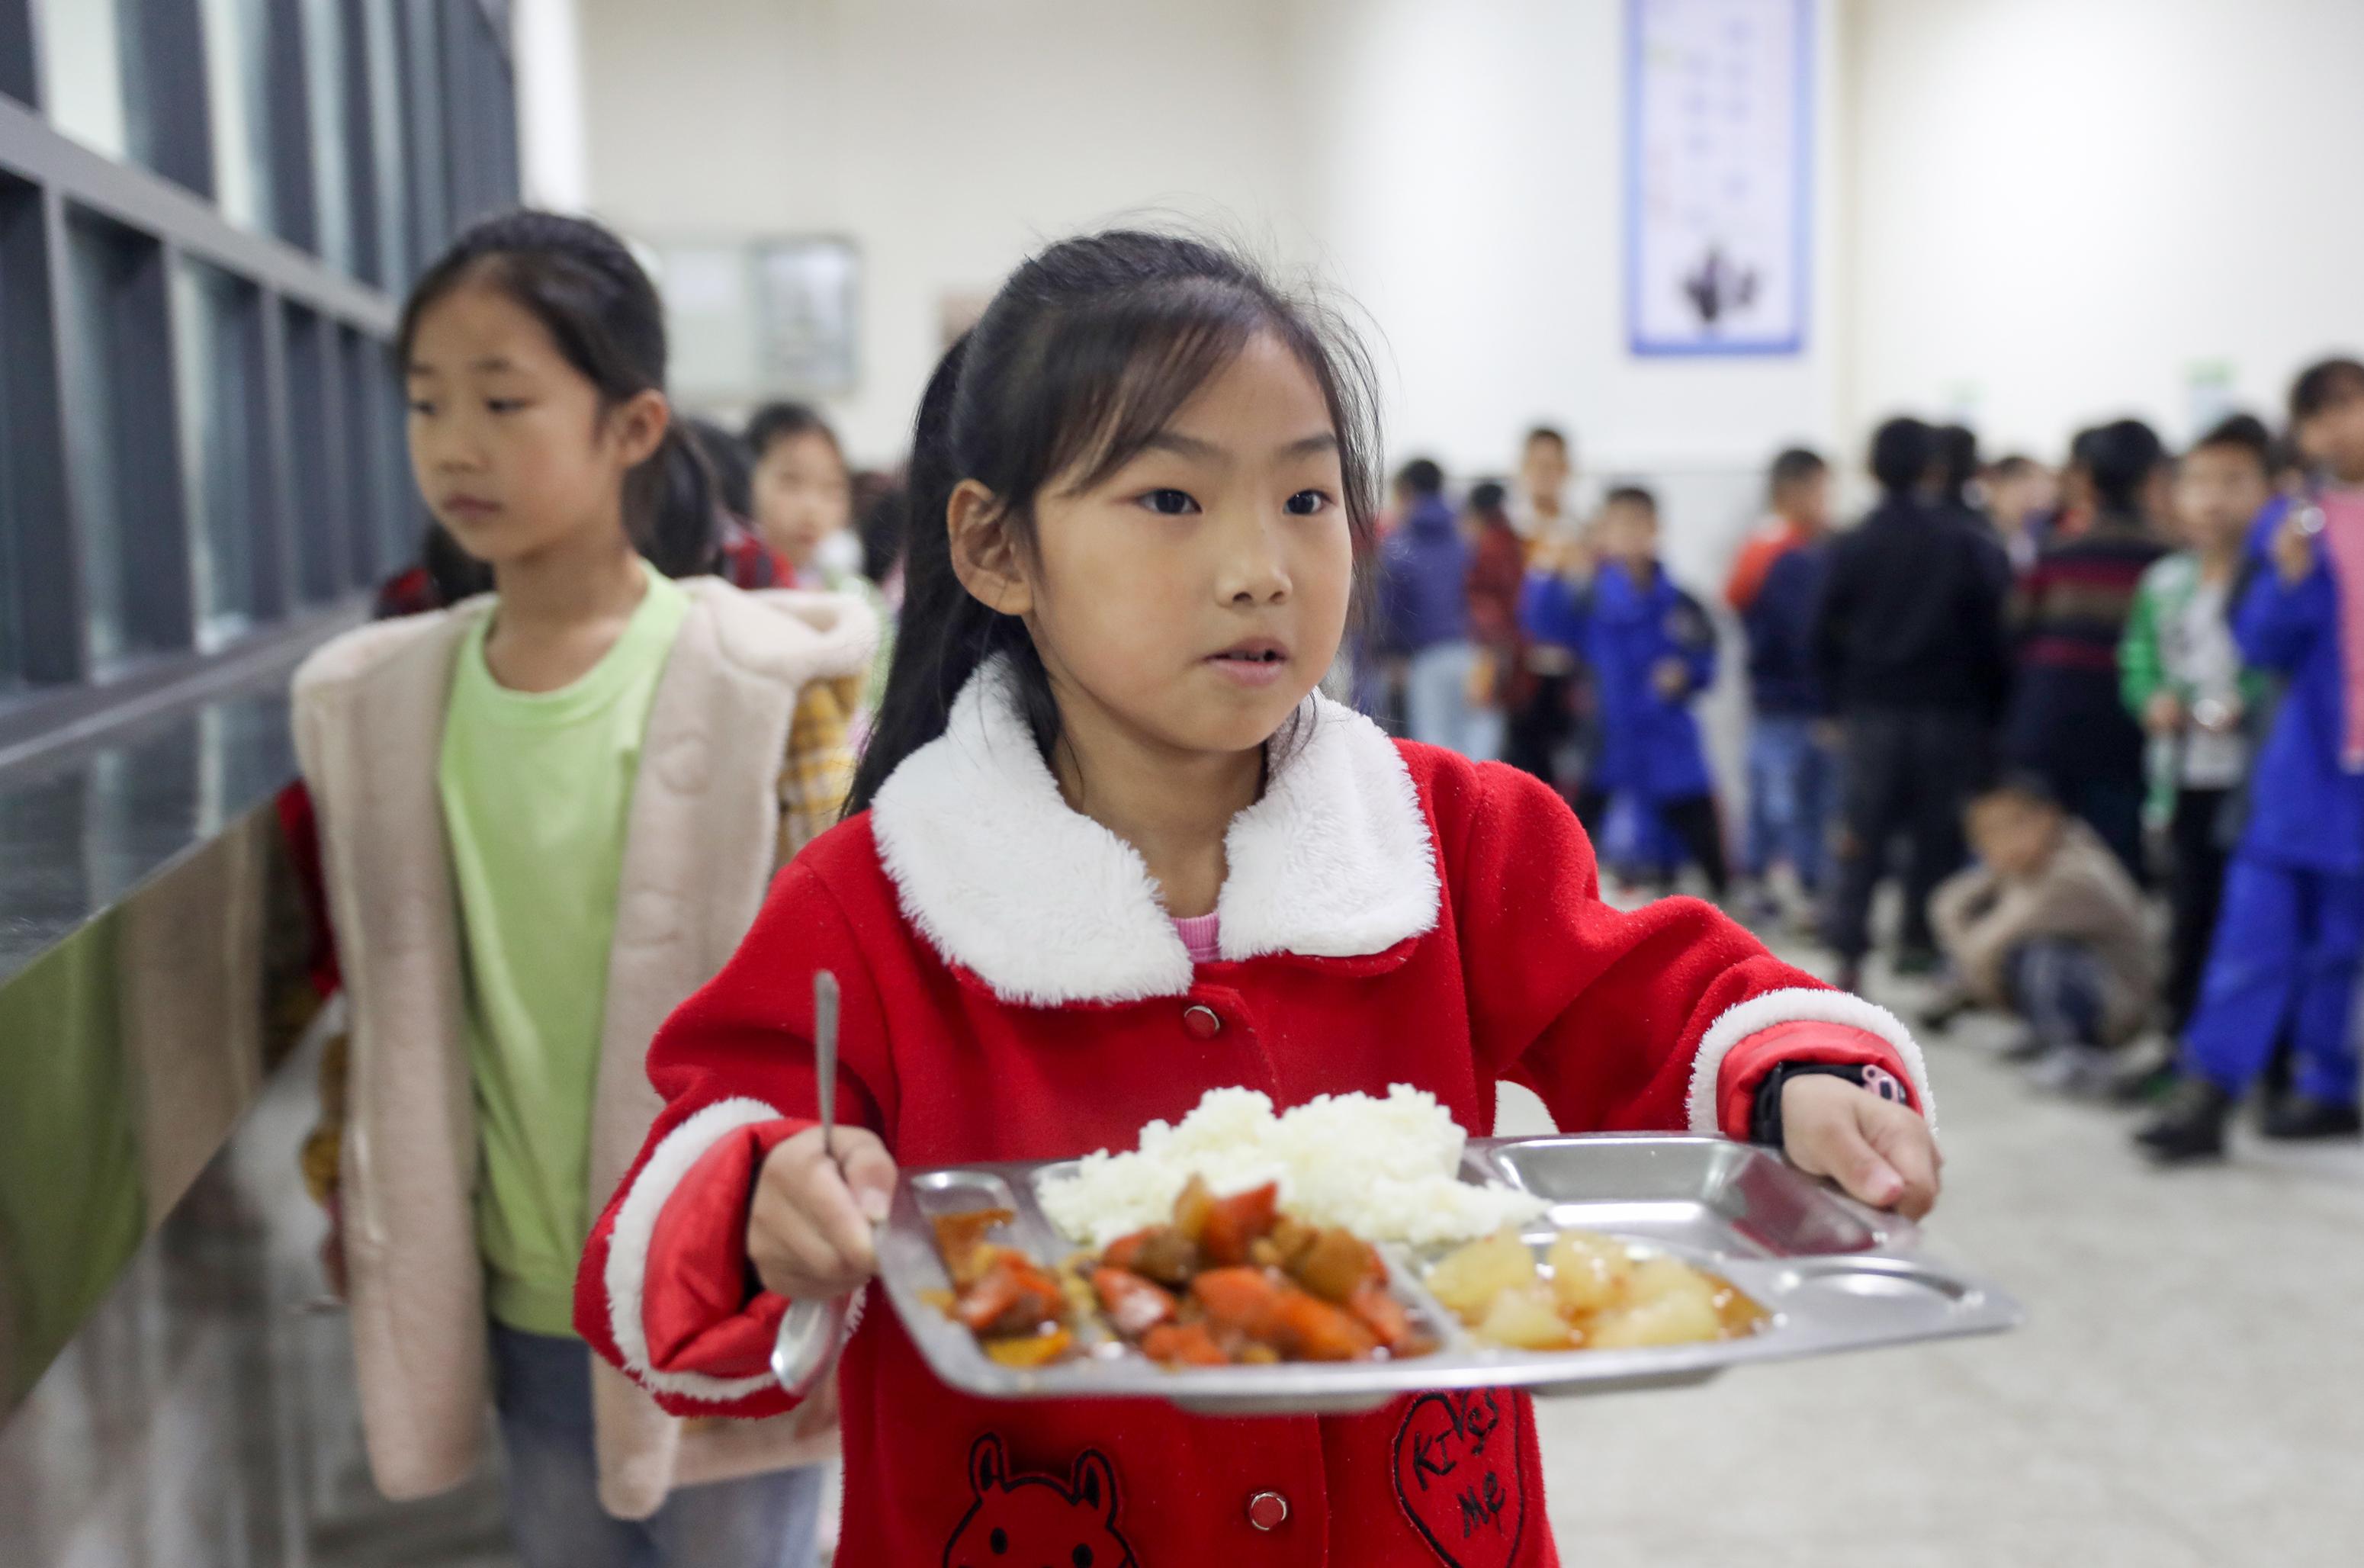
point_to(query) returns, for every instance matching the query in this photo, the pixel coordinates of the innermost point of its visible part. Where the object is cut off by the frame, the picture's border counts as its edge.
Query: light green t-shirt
(536, 788)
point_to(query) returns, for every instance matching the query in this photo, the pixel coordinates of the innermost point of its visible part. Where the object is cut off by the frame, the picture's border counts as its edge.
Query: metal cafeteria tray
(1833, 1275)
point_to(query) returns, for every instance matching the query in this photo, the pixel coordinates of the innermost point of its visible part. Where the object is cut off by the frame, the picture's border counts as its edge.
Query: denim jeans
(2060, 989)
(542, 1388)
(1793, 797)
(1437, 706)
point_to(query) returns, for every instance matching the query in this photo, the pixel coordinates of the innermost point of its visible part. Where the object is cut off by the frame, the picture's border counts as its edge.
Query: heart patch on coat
(1458, 1474)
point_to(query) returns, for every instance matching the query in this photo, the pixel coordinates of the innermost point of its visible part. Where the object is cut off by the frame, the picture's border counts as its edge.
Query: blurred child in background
(1497, 575)
(1792, 752)
(2068, 722)
(2020, 496)
(1424, 617)
(2182, 681)
(1651, 649)
(1909, 640)
(2047, 926)
(2291, 932)
(524, 880)
(1540, 728)
(803, 495)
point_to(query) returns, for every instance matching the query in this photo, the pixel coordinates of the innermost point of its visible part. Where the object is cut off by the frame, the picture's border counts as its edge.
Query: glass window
(118, 435)
(82, 70)
(235, 65)
(381, 47)
(325, 85)
(218, 320)
(319, 552)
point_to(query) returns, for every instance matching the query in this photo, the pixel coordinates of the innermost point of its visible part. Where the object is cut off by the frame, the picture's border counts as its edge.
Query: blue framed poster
(1719, 163)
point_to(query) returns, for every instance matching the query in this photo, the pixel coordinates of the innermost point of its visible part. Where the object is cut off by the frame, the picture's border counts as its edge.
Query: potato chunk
(1468, 1279)
(1589, 1272)
(1523, 1318)
(1667, 1303)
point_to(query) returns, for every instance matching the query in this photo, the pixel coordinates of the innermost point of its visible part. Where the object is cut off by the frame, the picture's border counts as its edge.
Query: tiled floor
(2189, 1389)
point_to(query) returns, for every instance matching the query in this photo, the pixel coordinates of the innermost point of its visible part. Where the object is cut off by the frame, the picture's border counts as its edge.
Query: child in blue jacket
(2291, 935)
(1651, 648)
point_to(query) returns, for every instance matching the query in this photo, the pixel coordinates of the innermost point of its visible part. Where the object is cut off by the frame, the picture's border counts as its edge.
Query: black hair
(2009, 467)
(2322, 383)
(1085, 354)
(1546, 432)
(2119, 458)
(2022, 787)
(603, 314)
(777, 423)
(726, 459)
(1903, 452)
(1632, 496)
(1487, 495)
(1954, 463)
(1795, 465)
(1422, 476)
(2241, 432)
(882, 526)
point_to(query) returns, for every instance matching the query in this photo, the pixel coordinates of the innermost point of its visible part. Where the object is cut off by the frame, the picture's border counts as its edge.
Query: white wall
(1467, 176)
(2063, 207)
(1454, 169)
(948, 137)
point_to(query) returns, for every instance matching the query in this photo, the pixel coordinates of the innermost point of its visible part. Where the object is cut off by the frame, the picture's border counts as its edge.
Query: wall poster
(1719, 160)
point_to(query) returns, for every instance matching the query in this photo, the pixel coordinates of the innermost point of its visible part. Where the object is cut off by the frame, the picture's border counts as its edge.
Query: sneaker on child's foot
(2190, 1126)
(1915, 962)
(2029, 1048)
(2072, 1069)
(2304, 1116)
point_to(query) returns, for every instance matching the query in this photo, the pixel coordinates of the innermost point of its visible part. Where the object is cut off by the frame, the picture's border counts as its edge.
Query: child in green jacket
(2184, 679)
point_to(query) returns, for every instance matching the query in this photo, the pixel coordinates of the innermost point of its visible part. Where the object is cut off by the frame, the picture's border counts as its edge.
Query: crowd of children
(2054, 695)
(632, 754)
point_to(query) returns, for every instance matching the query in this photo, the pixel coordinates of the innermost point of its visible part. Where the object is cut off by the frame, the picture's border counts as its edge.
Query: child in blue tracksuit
(1651, 649)
(2290, 934)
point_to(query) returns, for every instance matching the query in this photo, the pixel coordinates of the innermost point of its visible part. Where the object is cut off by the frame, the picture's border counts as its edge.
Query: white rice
(1387, 1169)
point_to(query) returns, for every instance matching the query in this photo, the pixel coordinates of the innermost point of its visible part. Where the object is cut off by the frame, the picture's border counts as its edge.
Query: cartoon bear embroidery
(1034, 1521)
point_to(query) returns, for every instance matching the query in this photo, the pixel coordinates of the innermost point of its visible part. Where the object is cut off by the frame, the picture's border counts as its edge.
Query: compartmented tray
(1832, 1274)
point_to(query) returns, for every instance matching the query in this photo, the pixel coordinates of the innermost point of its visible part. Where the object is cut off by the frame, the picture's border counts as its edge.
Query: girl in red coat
(1110, 849)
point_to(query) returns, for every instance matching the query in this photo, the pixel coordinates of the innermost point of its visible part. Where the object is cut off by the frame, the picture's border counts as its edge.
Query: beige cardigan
(699, 852)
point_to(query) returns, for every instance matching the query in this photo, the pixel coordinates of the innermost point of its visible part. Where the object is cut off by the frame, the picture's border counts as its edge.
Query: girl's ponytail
(670, 506)
(947, 633)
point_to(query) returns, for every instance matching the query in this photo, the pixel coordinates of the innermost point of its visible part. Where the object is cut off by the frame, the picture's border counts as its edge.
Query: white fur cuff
(635, 1231)
(1800, 1004)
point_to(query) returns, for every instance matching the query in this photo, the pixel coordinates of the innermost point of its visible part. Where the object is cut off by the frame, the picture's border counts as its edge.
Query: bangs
(1129, 365)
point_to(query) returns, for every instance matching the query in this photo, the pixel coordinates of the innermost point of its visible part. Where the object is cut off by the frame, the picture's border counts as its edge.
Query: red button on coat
(1202, 1022)
(1267, 1510)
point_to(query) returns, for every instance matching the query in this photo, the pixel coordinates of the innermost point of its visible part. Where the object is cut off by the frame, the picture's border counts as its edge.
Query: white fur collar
(1048, 907)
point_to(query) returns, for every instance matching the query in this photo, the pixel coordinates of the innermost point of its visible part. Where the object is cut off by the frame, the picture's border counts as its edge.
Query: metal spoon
(812, 1332)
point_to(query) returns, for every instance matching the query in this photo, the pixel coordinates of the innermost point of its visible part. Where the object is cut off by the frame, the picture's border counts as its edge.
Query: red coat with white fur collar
(1012, 991)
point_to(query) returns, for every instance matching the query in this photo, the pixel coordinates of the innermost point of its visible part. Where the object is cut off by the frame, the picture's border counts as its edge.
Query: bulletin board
(1719, 162)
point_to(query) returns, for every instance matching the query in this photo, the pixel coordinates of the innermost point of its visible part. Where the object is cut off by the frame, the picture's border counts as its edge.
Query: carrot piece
(1183, 1345)
(1240, 1299)
(1385, 1317)
(1236, 1221)
(1013, 1296)
(1307, 1328)
(1124, 1252)
(1132, 1304)
(960, 1239)
(1026, 1351)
